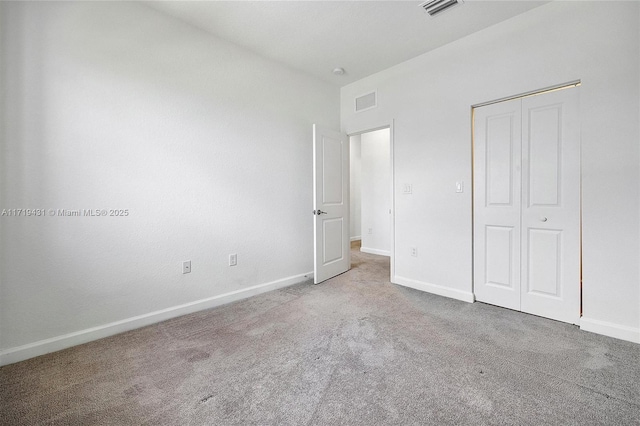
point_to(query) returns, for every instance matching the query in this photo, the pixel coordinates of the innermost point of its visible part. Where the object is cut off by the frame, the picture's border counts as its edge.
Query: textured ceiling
(363, 37)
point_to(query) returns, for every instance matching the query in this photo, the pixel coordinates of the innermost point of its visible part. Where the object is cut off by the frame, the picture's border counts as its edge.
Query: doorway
(526, 201)
(331, 200)
(370, 191)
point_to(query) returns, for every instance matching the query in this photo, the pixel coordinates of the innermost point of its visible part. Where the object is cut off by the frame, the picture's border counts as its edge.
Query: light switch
(459, 186)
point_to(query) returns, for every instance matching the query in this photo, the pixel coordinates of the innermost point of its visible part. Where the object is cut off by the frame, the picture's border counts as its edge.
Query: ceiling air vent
(367, 101)
(435, 7)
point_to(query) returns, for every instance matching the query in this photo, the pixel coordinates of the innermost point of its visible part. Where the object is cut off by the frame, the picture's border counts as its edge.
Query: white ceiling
(363, 37)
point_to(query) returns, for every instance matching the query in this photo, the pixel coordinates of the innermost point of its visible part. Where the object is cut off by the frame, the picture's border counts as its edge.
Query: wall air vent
(435, 7)
(367, 101)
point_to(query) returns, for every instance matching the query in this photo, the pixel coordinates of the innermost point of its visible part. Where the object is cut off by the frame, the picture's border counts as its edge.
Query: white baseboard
(21, 353)
(435, 289)
(356, 238)
(610, 329)
(375, 251)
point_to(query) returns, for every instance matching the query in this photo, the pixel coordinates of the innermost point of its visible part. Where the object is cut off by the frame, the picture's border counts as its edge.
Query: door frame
(562, 86)
(392, 229)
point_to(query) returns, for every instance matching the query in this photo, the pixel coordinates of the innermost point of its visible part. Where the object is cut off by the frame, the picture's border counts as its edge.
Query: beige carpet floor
(355, 350)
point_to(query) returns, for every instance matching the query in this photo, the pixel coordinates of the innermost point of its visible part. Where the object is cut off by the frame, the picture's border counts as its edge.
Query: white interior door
(527, 205)
(332, 254)
(551, 206)
(497, 169)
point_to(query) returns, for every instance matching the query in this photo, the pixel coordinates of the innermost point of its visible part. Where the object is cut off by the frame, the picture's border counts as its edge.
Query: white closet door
(497, 152)
(551, 206)
(527, 205)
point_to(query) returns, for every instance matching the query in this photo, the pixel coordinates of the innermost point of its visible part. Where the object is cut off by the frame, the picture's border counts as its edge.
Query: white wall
(375, 192)
(355, 172)
(430, 99)
(116, 106)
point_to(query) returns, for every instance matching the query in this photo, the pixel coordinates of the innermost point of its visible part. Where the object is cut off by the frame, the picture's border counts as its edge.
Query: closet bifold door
(496, 206)
(550, 257)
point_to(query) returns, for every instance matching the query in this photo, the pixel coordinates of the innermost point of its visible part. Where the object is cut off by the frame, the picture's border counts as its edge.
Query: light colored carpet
(355, 350)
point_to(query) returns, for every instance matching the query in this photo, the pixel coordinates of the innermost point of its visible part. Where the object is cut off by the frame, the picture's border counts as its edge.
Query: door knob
(319, 212)
(543, 219)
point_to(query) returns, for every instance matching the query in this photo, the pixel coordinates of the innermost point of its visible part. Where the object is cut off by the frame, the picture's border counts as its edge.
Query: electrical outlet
(414, 252)
(186, 267)
(233, 259)
(407, 188)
